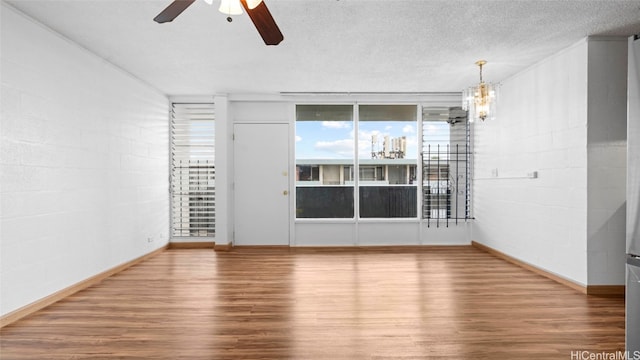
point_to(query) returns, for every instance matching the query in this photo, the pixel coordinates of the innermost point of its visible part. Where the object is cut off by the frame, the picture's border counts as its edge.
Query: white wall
(390, 232)
(84, 164)
(224, 170)
(607, 160)
(549, 121)
(541, 125)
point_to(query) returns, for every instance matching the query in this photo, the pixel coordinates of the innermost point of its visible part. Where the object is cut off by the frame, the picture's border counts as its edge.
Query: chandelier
(480, 100)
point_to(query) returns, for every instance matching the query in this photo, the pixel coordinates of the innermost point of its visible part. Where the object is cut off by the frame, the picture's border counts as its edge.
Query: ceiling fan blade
(264, 22)
(172, 11)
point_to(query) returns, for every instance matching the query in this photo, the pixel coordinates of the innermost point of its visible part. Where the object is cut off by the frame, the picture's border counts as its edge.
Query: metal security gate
(446, 165)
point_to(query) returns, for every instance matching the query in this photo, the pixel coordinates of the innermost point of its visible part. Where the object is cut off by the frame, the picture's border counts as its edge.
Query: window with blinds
(446, 165)
(193, 172)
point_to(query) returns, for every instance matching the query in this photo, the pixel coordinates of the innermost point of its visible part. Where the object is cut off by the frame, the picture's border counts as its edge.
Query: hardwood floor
(458, 303)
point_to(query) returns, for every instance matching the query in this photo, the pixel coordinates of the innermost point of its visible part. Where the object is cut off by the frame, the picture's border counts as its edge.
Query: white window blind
(193, 172)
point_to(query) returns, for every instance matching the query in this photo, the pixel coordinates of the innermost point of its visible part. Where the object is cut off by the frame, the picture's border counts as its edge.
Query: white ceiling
(332, 45)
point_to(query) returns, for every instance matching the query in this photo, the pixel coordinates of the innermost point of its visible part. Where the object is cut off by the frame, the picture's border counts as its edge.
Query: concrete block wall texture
(548, 121)
(541, 125)
(84, 164)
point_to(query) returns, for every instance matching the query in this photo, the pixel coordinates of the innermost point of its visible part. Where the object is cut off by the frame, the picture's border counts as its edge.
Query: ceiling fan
(257, 10)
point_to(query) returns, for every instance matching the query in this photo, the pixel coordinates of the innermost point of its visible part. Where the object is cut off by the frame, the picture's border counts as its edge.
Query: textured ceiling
(332, 45)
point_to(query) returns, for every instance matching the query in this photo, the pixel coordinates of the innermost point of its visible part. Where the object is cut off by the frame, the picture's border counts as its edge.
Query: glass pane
(387, 152)
(324, 161)
(324, 202)
(435, 179)
(388, 201)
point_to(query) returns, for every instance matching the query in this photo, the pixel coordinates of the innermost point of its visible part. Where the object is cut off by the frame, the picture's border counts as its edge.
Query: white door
(261, 174)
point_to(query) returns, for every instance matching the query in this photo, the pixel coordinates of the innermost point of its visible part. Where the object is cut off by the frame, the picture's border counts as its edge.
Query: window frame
(355, 180)
(191, 111)
(337, 114)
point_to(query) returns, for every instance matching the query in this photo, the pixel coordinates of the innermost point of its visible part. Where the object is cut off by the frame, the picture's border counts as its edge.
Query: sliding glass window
(325, 149)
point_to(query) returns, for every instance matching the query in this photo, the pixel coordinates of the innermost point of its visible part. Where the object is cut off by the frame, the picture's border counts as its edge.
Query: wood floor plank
(280, 303)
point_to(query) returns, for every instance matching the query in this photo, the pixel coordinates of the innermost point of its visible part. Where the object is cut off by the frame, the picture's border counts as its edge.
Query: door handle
(285, 193)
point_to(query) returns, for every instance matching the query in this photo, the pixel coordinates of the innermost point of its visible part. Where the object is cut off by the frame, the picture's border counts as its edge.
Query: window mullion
(356, 161)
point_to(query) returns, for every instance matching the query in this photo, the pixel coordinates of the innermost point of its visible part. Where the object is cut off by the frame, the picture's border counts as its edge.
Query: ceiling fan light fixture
(256, 9)
(230, 7)
(253, 3)
(480, 100)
